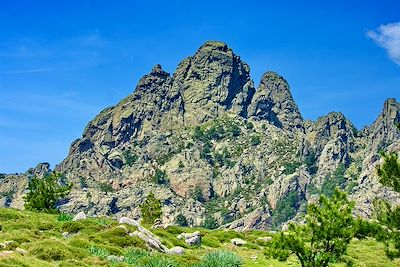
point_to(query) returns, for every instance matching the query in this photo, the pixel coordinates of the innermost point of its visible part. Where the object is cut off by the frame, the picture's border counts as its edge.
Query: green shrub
(337, 179)
(160, 177)
(389, 171)
(106, 187)
(151, 209)
(255, 140)
(98, 252)
(118, 237)
(44, 193)
(249, 125)
(2, 176)
(290, 167)
(197, 194)
(220, 259)
(72, 227)
(286, 208)
(210, 222)
(323, 238)
(210, 241)
(129, 157)
(64, 217)
(181, 220)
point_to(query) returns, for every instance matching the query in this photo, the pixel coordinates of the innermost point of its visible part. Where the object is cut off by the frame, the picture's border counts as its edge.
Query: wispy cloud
(387, 36)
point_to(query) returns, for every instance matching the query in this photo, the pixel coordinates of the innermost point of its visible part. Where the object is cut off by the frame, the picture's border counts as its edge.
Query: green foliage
(249, 125)
(98, 252)
(44, 193)
(151, 209)
(129, 157)
(181, 220)
(106, 187)
(224, 158)
(64, 217)
(255, 140)
(389, 234)
(311, 162)
(290, 167)
(72, 227)
(337, 179)
(160, 177)
(286, 208)
(82, 182)
(197, 194)
(2, 176)
(221, 259)
(180, 165)
(210, 222)
(325, 236)
(234, 130)
(389, 171)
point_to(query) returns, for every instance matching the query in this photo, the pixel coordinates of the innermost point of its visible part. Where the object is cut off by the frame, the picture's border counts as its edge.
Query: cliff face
(208, 144)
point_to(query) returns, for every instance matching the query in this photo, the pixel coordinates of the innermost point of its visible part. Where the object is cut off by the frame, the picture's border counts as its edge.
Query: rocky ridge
(211, 145)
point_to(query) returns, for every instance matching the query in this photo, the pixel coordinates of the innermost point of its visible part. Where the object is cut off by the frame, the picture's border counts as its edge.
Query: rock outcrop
(273, 102)
(215, 151)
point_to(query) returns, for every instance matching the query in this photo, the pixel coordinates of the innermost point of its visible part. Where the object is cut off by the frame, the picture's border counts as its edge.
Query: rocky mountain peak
(273, 102)
(212, 82)
(383, 131)
(214, 46)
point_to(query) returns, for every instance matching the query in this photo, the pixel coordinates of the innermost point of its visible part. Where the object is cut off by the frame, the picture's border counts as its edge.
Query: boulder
(21, 251)
(152, 241)
(80, 216)
(176, 250)
(238, 242)
(191, 238)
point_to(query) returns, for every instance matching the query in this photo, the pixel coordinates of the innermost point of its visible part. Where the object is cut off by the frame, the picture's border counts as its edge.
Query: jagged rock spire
(273, 102)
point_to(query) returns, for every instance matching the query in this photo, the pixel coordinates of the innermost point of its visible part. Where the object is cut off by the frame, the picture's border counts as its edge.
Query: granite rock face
(212, 148)
(273, 102)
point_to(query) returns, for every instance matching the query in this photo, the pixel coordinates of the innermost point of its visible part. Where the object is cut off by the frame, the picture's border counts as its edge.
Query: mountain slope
(208, 144)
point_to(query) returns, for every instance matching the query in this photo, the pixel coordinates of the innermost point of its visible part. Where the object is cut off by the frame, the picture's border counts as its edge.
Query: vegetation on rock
(44, 193)
(151, 209)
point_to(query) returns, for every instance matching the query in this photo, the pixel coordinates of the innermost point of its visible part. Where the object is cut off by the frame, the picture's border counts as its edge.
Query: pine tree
(323, 239)
(44, 193)
(151, 209)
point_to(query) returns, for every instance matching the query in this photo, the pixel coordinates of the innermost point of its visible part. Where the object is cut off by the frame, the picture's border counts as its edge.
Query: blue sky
(61, 62)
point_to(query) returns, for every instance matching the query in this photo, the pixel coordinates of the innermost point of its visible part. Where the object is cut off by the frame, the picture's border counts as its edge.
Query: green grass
(93, 239)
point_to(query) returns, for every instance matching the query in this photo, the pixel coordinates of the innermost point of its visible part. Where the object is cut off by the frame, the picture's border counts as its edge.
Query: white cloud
(387, 36)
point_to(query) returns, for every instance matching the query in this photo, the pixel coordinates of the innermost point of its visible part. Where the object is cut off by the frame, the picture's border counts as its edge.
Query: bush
(210, 222)
(44, 193)
(286, 208)
(129, 157)
(64, 217)
(255, 140)
(220, 259)
(106, 187)
(160, 177)
(337, 179)
(151, 209)
(73, 227)
(197, 194)
(323, 239)
(389, 171)
(290, 167)
(181, 220)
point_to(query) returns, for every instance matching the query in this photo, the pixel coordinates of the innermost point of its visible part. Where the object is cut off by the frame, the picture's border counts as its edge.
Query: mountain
(208, 143)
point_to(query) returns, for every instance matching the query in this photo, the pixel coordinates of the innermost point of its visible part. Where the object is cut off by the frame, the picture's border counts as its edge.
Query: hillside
(209, 143)
(52, 240)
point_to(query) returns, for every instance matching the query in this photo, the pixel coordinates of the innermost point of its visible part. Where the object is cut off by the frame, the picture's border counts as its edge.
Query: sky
(62, 62)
